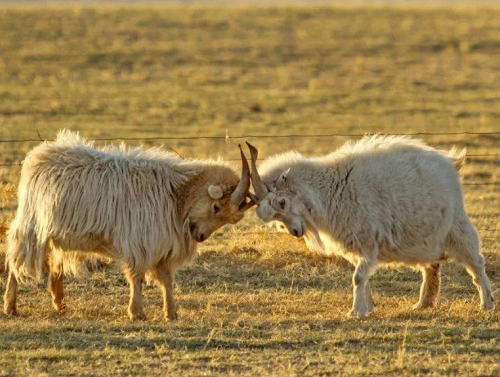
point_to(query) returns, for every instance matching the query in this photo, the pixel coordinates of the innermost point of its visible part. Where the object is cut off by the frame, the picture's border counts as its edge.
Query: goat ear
(215, 192)
(284, 176)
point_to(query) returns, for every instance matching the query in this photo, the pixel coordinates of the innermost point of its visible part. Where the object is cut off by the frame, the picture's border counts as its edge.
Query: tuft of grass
(256, 302)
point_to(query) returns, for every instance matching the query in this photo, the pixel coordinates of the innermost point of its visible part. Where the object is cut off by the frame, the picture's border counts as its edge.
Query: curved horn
(241, 191)
(258, 186)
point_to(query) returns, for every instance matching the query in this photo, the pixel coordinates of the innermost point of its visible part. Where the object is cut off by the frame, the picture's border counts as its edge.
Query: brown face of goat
(222, 200)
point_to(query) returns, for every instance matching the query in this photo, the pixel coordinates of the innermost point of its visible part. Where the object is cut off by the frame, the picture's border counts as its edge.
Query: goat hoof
(10, 310)
(171, 317)
(59, 307)
(137, 317)
(422, 306)
(357, 314)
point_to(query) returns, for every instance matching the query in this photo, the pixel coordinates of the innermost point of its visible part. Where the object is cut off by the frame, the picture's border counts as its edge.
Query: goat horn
(241, 191)
(259, 187)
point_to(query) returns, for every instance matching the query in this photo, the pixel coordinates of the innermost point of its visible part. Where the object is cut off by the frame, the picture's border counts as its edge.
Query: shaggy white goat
(142, 208)
(378, 201)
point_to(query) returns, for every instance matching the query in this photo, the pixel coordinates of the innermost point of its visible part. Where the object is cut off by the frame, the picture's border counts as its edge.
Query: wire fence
(228, 138)
(490, 234)
(261, 136)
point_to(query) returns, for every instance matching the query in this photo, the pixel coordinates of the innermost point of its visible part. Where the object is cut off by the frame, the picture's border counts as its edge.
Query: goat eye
(216, 208)
(282, 203)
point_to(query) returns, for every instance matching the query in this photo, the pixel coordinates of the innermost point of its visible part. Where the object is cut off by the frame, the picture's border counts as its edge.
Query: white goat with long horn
(381, 200)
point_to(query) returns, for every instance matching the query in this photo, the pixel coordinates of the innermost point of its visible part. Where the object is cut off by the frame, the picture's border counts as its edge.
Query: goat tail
(458, 159)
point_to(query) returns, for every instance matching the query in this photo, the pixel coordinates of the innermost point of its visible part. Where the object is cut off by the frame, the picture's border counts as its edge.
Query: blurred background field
(256, 303)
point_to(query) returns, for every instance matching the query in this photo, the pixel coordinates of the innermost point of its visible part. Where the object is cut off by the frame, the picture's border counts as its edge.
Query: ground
(256, 302)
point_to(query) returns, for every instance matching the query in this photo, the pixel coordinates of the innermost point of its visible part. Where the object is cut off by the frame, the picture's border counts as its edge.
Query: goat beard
(312, 237)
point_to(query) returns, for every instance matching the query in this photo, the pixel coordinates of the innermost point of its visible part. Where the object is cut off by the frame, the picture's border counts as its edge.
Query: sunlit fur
(138, 207)
(381, 200)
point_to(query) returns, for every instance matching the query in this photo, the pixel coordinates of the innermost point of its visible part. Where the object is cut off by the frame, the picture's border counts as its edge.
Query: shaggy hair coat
(131, 205)
(380, 200)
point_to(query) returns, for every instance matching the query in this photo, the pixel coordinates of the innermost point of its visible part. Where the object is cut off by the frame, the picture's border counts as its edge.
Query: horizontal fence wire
(228, 137)
(468, 156)
(261, 136)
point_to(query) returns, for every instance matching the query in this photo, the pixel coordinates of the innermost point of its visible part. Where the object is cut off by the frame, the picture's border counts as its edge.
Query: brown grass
(256, 302)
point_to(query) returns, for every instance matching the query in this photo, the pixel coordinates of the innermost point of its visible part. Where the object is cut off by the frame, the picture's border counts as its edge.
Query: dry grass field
(256, 303)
